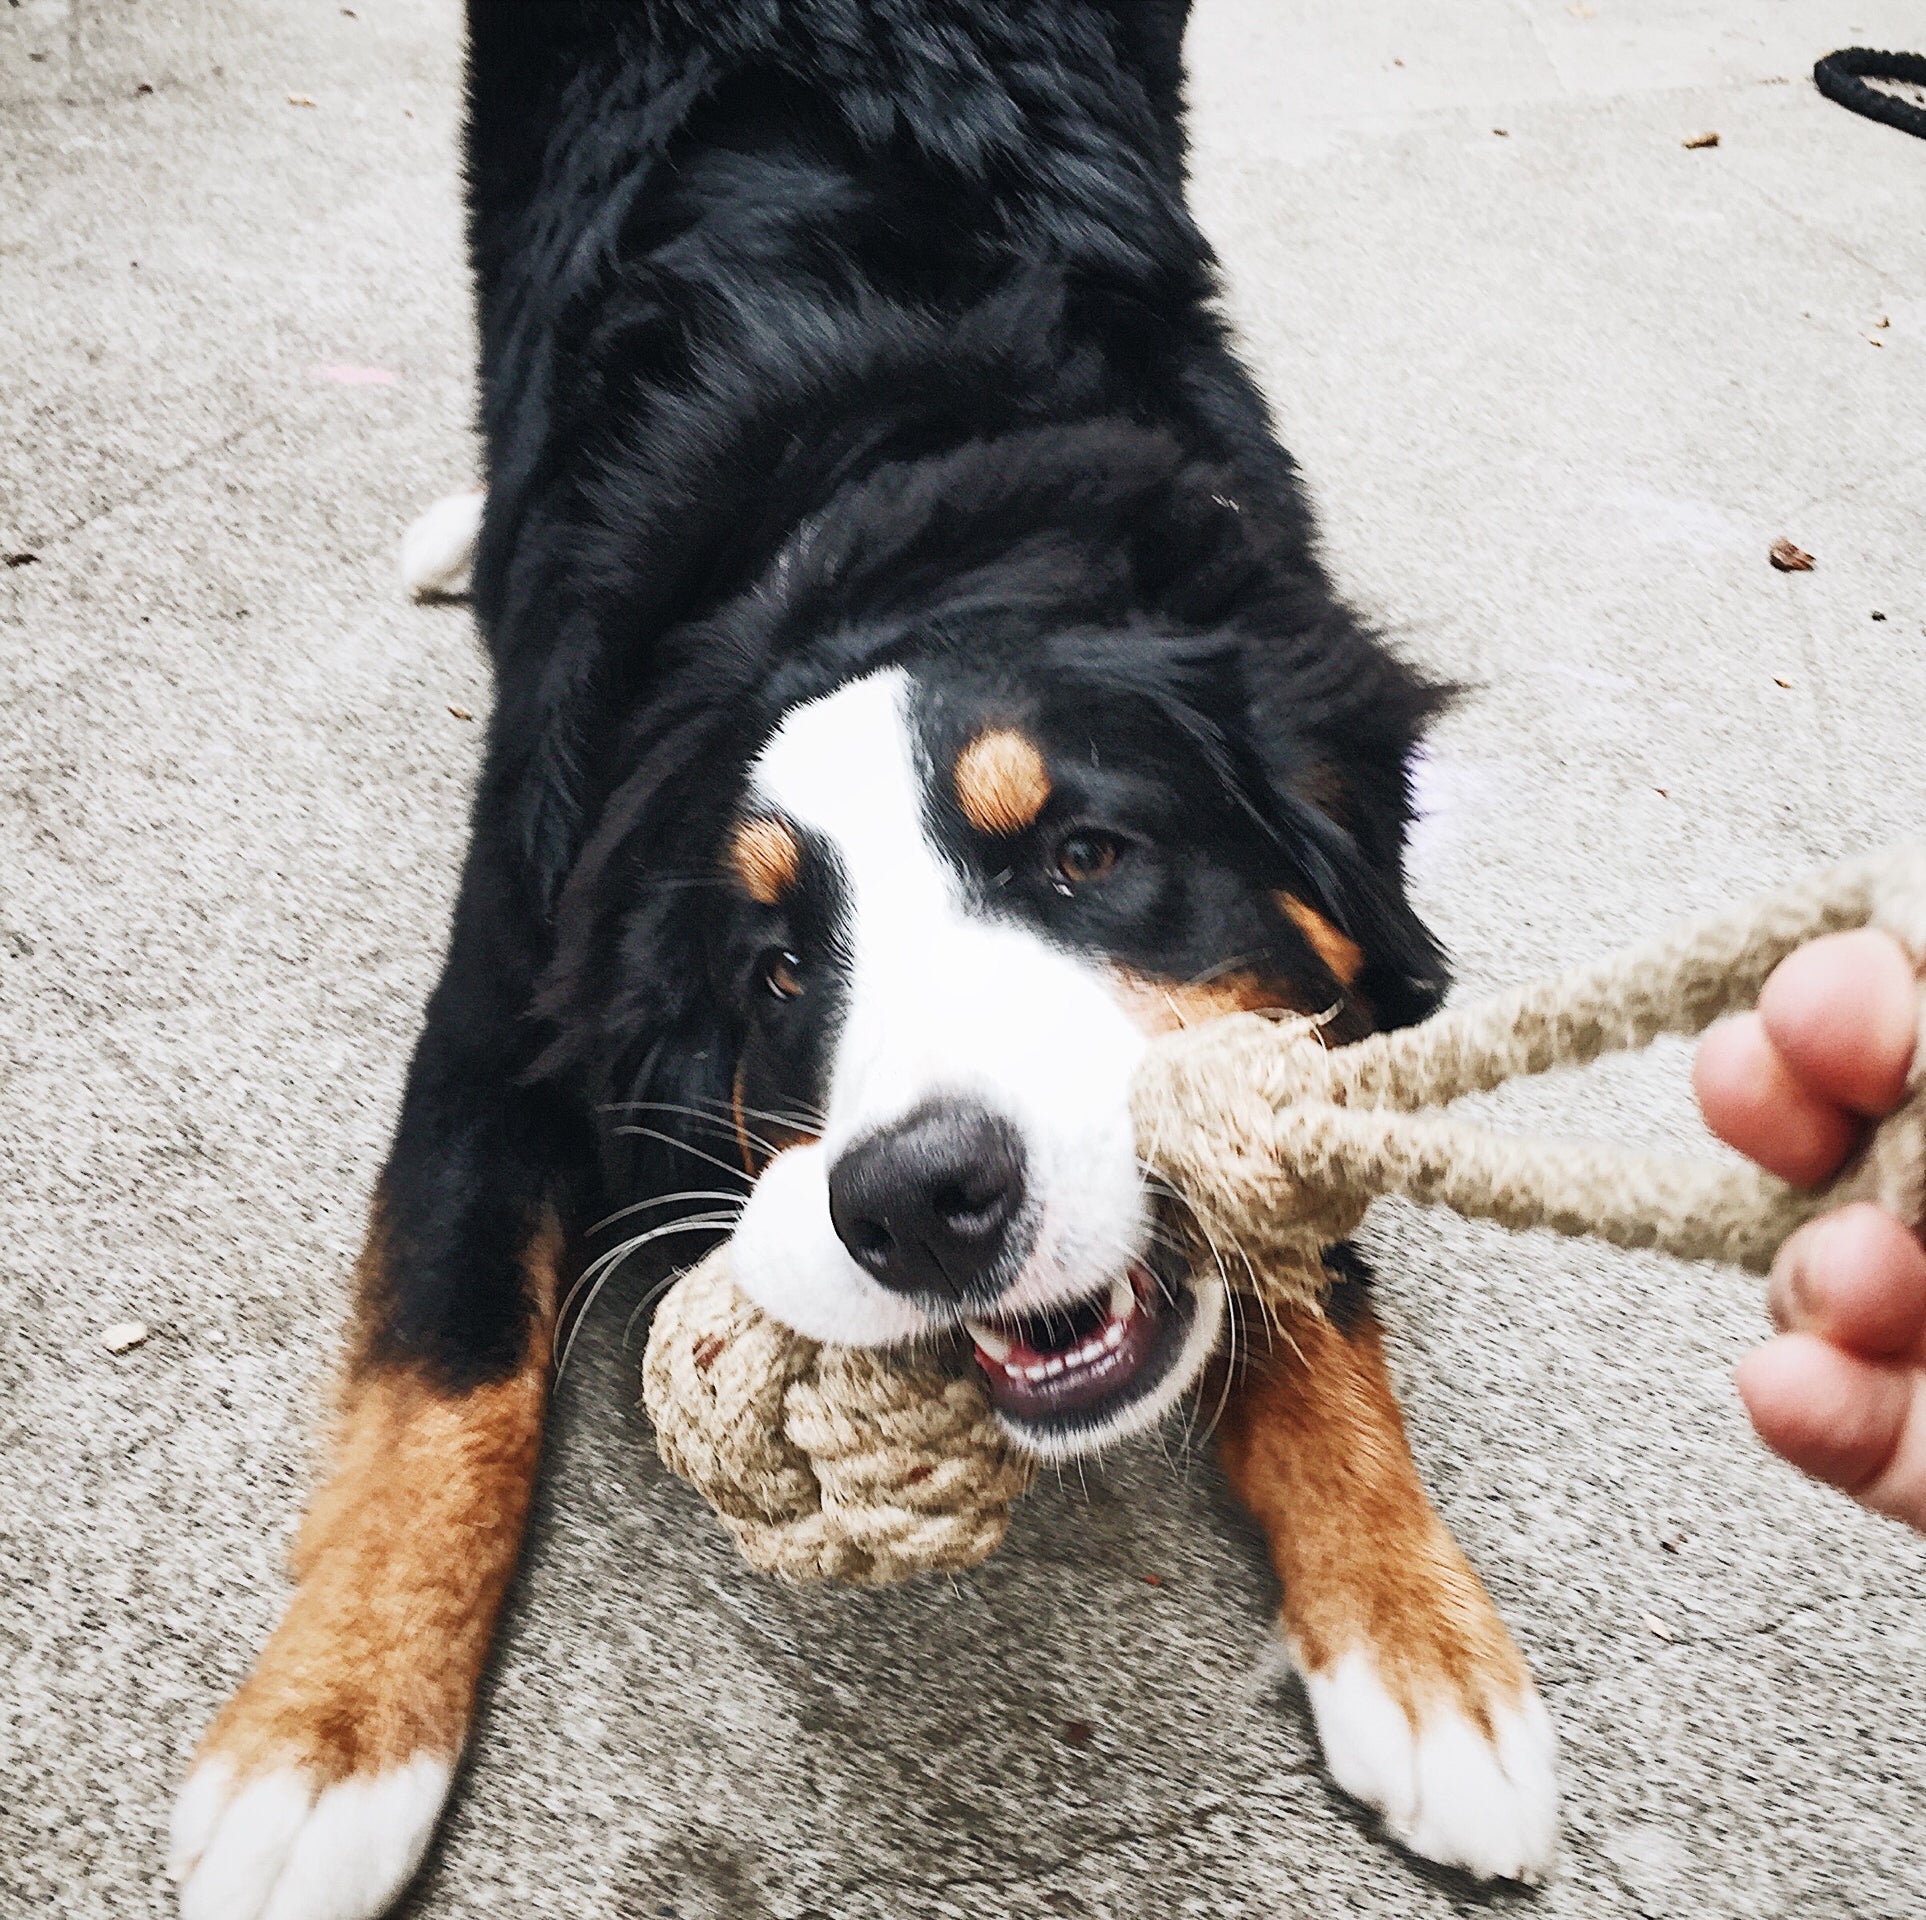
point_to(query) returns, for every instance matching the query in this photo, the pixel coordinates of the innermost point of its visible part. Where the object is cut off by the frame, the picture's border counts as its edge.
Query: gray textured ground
(1556, 390)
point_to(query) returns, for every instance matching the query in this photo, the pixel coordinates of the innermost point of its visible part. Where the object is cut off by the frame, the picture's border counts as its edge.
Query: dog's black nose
(928, 1204)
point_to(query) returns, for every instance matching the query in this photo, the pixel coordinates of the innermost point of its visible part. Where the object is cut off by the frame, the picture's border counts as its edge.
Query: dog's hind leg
(1424, 1706)
(438, 550)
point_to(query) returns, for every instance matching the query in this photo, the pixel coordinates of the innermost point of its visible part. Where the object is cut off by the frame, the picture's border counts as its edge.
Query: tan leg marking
(1338, 951)
(400, 1570)
(1314, 1445)
(767, 858)
(1424, 1706)
(1001, 781)
(332, 1758)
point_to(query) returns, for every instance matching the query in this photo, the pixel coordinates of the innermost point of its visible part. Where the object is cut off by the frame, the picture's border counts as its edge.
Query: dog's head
(903, 936)
(955, 911)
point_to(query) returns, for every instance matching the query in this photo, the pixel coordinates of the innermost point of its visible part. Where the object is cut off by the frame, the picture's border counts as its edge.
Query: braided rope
(833, 1463)
(826, 1463)
(1278, 1146)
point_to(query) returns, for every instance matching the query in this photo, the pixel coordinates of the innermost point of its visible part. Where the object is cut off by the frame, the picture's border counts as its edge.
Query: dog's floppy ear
(1329, 790)
(1404, 973)
(1331, 722)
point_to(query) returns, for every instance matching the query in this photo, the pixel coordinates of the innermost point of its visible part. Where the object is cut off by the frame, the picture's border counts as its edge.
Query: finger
(1859, 1425)
(1853, 1424)
(1899, 1490)
(1843, 1014)
(1752, 1102)
(1856, 1278)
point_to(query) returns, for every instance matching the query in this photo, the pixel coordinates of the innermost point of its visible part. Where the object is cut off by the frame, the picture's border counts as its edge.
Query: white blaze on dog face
(939, 1003)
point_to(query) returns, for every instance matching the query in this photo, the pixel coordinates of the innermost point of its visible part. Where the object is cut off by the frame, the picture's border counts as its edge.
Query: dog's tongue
(1071, 1358)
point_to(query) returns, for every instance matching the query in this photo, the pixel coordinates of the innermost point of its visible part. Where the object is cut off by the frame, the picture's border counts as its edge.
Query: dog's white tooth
(1038, 1371)
(996, 1345)
(1123, 1298)
(1113, 1334)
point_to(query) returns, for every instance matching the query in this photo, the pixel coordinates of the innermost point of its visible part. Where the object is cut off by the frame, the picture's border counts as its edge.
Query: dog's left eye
(1083, 857)
(782, 974)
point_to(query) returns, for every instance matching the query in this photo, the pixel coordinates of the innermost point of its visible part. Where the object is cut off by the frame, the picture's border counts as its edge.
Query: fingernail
(1786, 1281)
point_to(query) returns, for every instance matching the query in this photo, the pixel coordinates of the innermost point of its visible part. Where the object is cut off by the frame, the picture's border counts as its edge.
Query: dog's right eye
(782, 973)
(1083, 858)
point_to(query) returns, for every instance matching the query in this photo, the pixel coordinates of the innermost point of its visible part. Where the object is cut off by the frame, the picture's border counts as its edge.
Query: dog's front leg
(315, 1791)
(1424, 1706)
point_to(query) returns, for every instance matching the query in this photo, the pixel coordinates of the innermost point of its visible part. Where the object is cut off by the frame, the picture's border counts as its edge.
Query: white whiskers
(595, 1276)
(669, 1140)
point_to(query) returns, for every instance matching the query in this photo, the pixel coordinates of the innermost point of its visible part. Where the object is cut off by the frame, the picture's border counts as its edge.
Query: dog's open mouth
(1089, 1370)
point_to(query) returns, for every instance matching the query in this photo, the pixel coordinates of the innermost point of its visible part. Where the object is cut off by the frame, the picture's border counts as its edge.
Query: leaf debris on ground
(1788, 558)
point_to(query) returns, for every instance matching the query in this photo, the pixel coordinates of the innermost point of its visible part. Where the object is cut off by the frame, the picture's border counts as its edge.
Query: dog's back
(740, 250)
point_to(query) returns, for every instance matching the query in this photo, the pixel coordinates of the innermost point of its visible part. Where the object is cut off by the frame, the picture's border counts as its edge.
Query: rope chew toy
(831, 1463)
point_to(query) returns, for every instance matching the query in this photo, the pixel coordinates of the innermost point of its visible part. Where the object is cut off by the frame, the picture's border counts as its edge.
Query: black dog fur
(817, 336)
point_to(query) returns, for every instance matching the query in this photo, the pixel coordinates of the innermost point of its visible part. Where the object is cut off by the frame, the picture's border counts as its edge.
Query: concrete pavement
(1557, 382)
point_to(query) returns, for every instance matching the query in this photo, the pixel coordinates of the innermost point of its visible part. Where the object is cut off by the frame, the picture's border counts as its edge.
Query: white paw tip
(438, 550)
(208, 1789)
(1485, 1804)
(243, 1839)
(277, 1850)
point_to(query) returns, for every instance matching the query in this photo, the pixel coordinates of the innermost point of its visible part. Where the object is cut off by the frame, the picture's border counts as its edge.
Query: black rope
(1842, 76)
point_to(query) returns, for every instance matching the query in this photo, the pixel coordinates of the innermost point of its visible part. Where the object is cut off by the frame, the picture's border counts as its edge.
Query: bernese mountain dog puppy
(916, 684)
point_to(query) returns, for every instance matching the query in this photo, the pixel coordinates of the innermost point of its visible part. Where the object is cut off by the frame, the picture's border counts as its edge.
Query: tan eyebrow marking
(1340, 953)
(1001, 781)
(767, 858)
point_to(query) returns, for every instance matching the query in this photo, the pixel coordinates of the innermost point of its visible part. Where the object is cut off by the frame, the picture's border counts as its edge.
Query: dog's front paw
(1470, 1782)
(317, 1788)
(287, 1842)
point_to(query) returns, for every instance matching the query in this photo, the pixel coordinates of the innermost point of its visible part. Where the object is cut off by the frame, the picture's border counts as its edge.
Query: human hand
(1841, 1393)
